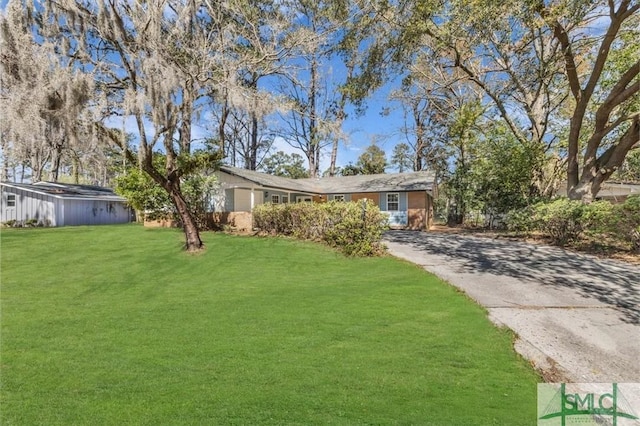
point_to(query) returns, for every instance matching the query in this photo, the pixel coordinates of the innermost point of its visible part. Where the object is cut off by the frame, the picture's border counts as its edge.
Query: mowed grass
(115, 325)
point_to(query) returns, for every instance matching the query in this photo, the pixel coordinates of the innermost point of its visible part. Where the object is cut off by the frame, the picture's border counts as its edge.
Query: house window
(275, 199)
(339, 197)
(285, 199)
(11, 200)
(393, 202)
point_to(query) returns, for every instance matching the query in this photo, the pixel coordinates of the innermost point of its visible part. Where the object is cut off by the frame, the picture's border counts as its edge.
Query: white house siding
(228, 200)
(229, 180)
(242, 199)
(234, 194)
(28, 206)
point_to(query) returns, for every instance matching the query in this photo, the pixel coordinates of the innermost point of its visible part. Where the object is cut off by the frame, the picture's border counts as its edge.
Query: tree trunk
(340, 116)
(596, 170)
(191, 233)
(55, 162)
(36, 169)
(334, 157)
(171, 184)
(311, 157)
(313, 130)
(5, 171)
(317, 161)
(75, 167)
(587, 188)
(224, 114)
(253, 156)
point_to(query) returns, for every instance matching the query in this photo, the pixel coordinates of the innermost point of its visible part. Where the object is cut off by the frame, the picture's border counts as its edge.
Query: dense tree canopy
(372, 161)
(541, 67)
(549, 87)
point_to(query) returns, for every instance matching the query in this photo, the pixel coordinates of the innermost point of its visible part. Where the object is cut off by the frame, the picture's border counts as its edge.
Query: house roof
(415, 181)
(623, 184)
(610, 189)
(68, 191)
(270, 181)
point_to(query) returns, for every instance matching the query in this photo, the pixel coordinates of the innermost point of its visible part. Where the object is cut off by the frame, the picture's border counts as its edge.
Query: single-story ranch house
(56, 204)
(406, 197)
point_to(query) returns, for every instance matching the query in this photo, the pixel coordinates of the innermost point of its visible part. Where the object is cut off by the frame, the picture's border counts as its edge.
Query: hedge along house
(55, 204)
(406, 197)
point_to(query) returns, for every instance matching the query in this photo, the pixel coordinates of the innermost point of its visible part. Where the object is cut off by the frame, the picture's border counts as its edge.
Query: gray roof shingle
(68, 191)
(270, 181)
(415, 181)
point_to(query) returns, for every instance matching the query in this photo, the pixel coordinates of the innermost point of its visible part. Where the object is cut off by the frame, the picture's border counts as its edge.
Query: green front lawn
(115, 325)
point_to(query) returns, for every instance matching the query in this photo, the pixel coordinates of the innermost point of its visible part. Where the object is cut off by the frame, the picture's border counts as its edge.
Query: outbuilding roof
(414, 181)
(68, 191)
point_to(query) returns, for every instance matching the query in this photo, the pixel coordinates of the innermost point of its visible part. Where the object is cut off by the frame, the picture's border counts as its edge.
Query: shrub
(629, 222)
(522, 221)
(565, 221)
(560, 219)
(354, 228)
(618, 221)
(31, 223)
(600, 218)
(309, 221)
(273, 218)
(357, 229)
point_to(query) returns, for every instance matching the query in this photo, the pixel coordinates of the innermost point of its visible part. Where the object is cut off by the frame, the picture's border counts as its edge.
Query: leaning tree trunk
(172, 186)
(189, 226)
(597, 168)
(586, 189)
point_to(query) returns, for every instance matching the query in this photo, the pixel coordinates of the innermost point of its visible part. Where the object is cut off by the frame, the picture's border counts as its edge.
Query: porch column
(253, 197)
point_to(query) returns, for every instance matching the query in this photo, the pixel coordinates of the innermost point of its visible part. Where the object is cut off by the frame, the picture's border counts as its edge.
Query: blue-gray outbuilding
(57, 204)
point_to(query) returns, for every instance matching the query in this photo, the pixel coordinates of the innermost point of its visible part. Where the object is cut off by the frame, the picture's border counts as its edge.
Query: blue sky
(361, 131)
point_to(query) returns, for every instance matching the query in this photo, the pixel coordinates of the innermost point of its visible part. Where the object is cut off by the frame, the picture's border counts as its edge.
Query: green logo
(583, 404)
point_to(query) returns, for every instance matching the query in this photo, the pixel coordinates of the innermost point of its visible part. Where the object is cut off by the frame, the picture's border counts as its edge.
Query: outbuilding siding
(28, 206)
(59, 205)
(94, 212)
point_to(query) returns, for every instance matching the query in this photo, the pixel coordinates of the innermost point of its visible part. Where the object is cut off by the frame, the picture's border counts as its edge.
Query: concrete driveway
(577, 317)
